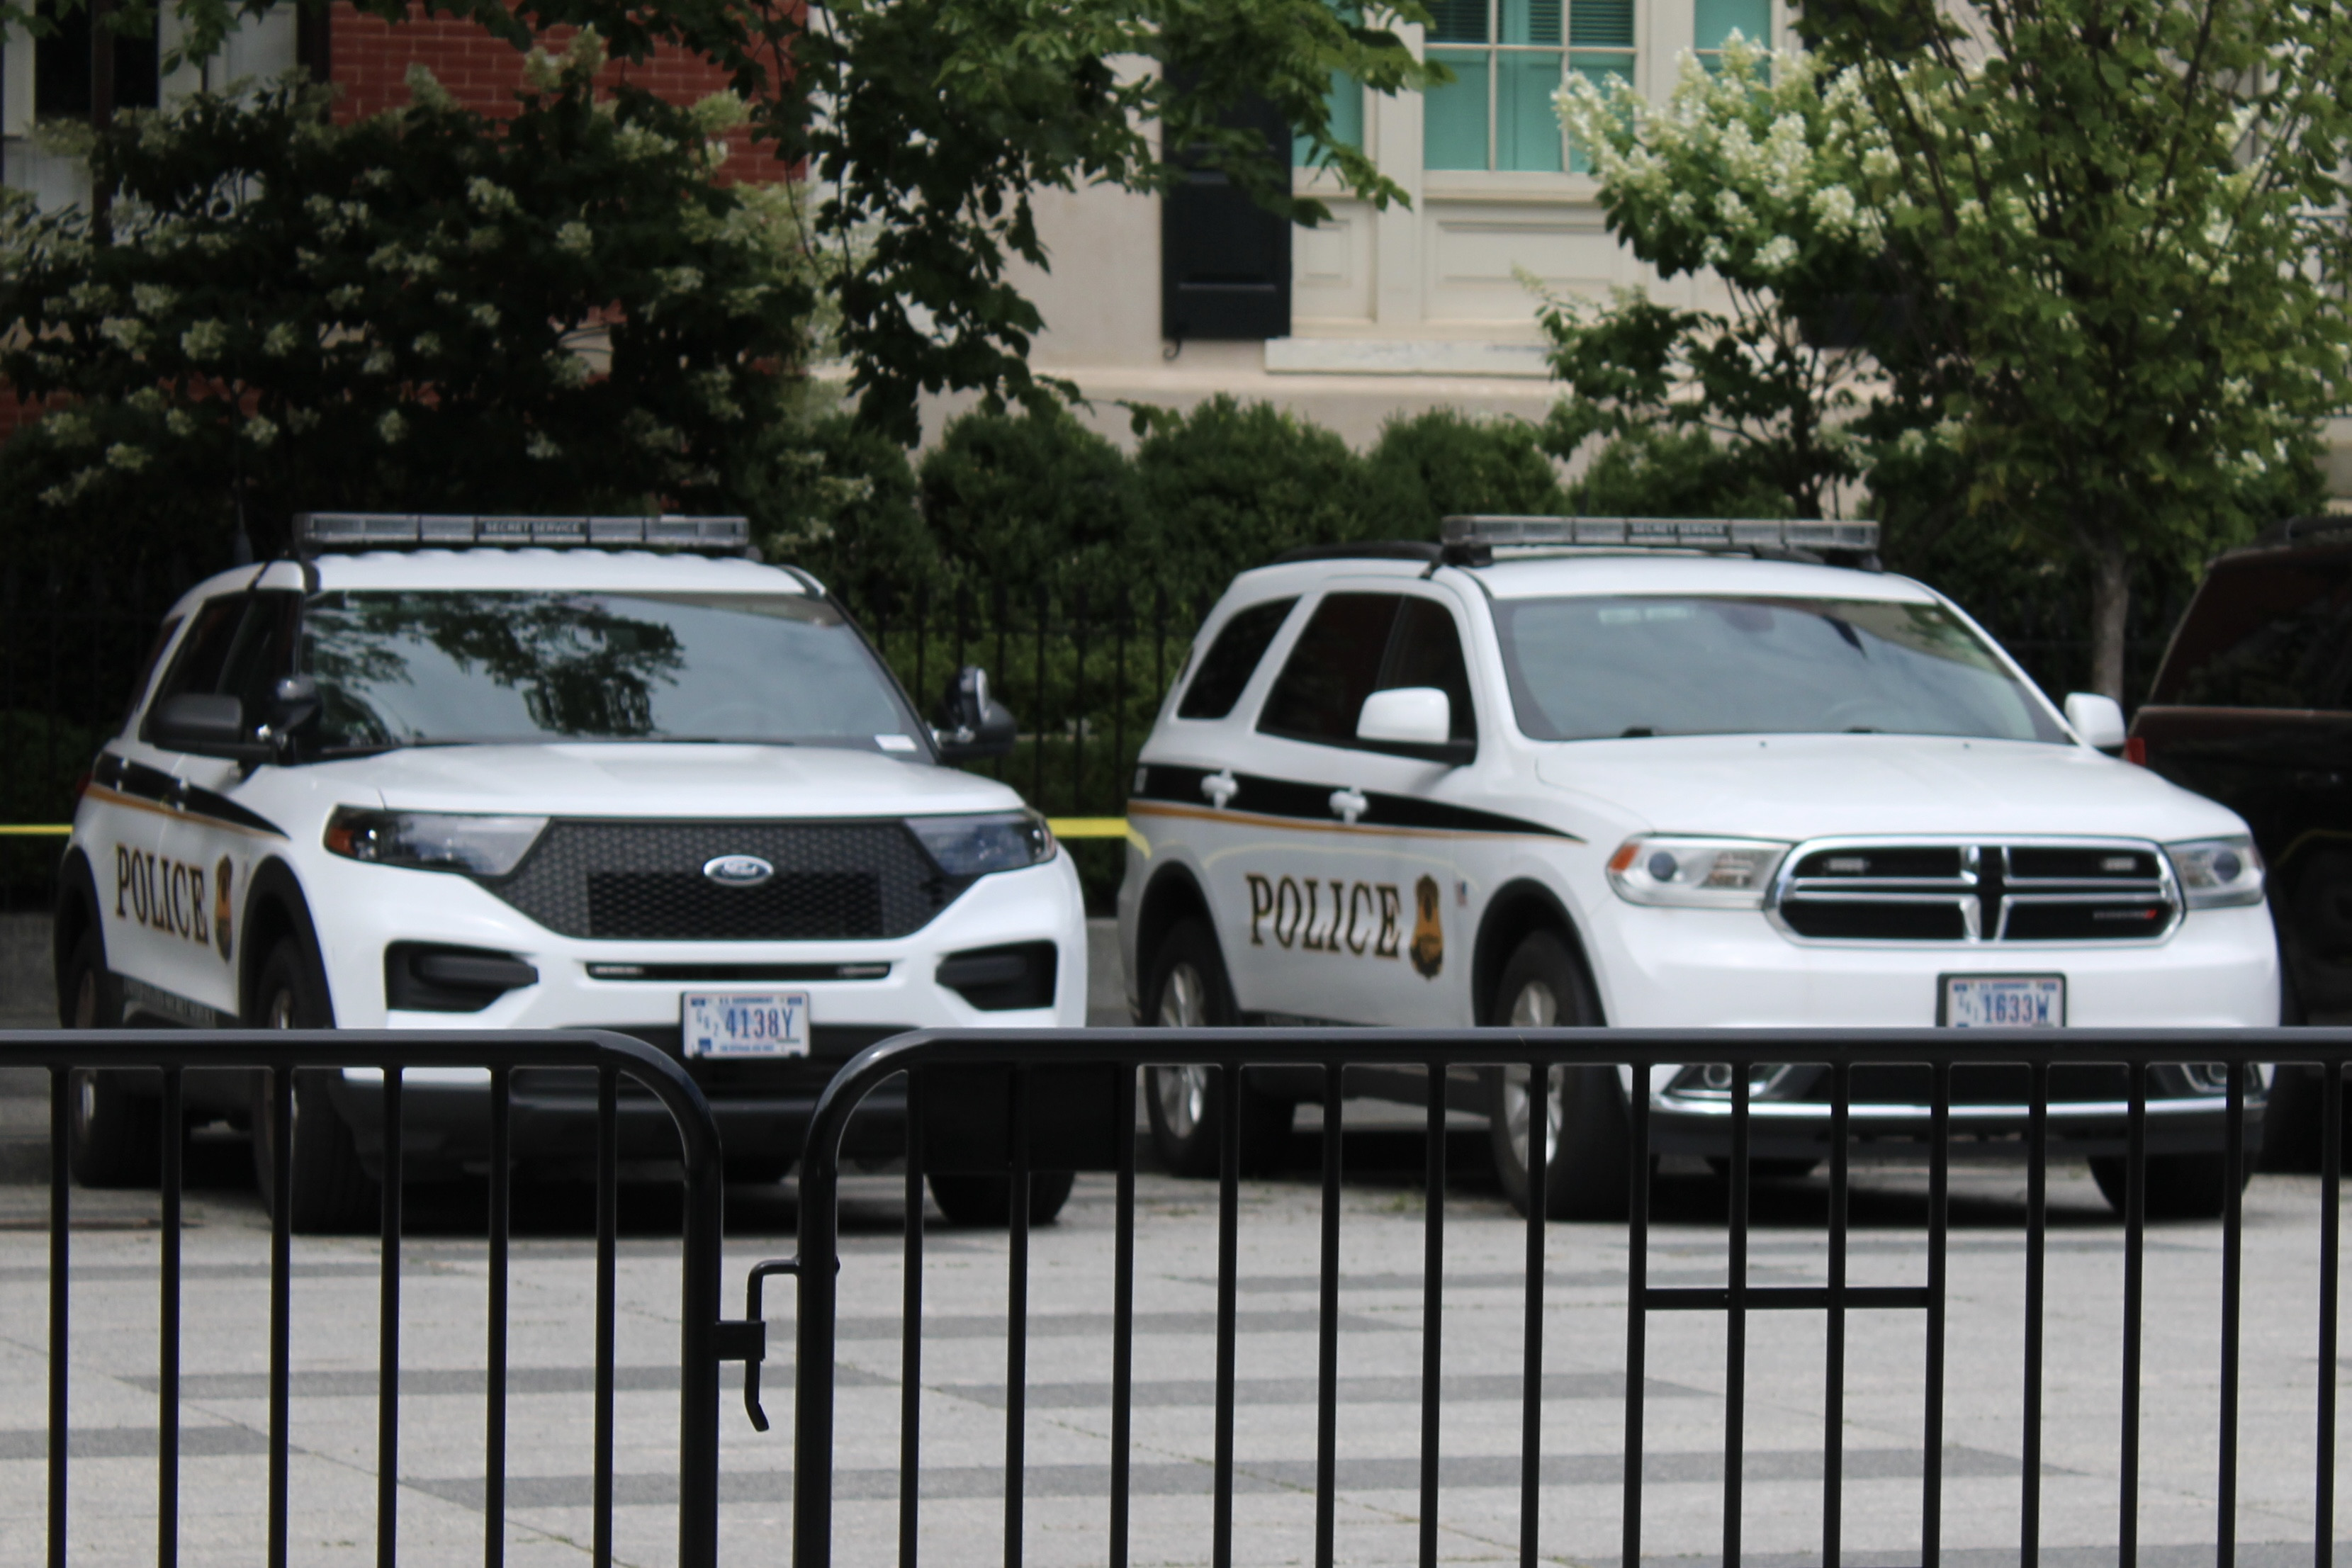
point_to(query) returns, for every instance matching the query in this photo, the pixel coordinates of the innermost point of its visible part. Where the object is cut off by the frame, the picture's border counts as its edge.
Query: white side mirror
(1413, 716)
(2096, 719)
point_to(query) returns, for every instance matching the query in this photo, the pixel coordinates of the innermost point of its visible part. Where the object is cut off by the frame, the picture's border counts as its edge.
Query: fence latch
(747, 1341)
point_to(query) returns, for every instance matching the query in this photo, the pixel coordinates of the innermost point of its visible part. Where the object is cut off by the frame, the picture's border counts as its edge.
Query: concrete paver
(1066, 1431)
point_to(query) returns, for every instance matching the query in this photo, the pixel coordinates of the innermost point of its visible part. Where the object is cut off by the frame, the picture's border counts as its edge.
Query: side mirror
(2096, 719)
(971, 726)
(205, 724)
(1416, 720)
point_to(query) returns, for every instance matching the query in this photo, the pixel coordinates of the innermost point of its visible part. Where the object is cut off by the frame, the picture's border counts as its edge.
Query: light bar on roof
(1661, 533)
(317, 531)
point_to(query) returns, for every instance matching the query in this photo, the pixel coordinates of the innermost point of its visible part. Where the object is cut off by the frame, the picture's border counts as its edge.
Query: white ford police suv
(531, 773)
(1670, 774)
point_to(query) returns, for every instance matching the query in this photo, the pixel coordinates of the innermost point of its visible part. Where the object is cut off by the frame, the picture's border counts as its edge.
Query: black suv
(2253, 708)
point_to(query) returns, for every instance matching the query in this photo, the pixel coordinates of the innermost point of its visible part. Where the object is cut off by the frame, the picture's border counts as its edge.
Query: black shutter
(1224, 261)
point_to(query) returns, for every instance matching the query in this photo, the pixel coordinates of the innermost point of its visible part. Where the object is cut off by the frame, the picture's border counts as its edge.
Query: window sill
(1461, 184)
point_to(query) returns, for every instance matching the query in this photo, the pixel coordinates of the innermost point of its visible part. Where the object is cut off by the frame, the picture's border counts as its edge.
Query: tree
(1228, 486)
(1746, 175)
(401, 313)
(2118, 219)
(929, 122)
(1442, 463)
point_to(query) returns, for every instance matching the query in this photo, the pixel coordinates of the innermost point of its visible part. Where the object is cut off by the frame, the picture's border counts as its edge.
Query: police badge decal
(221, 874)
(1428, 950)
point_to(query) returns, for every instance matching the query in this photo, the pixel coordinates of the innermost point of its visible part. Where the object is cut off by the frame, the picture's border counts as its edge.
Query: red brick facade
(371, 61)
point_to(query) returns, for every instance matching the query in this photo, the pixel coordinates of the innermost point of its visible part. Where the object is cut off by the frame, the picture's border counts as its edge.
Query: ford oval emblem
(738, 871)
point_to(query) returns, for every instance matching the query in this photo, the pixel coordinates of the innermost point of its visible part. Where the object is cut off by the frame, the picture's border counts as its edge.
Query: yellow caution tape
(35, 829)
(1088, 826)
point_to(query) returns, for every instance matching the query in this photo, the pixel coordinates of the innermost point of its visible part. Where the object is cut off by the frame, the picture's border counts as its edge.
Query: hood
(1813, 786)
(673, 781)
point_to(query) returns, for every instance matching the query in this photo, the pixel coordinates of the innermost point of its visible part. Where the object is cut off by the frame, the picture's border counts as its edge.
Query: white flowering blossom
(391, 429)
(127, 457)
(260, 429)
(575, 238)
(282, 340)
(153, 298)
(125, 332)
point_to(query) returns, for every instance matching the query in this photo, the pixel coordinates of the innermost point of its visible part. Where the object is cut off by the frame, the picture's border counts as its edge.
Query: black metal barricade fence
(1046, 1101)
(703, 1339)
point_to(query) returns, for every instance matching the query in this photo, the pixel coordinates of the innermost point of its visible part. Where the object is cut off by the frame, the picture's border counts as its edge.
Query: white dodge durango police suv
(1671, 774)
(531, 773)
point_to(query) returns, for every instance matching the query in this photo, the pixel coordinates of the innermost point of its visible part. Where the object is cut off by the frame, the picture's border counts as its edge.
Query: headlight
(433, 841)
(1696, 873)
(974, 846)
(2218, 873)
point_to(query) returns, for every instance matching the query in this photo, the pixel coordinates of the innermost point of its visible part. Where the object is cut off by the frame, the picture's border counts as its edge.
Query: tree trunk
(2110, 601)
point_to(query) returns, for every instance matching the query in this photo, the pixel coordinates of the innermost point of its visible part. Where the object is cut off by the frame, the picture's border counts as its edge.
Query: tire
(114, 1136)
(331, 1193)
(2179, 1186)
(1585, 1168)
(986, 1202)
(1187, 989)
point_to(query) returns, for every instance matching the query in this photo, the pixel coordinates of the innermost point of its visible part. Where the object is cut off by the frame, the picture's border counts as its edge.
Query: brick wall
(372, 59)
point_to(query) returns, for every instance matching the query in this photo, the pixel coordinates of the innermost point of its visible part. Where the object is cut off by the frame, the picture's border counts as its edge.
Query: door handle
(1221, 786)
(1349, 804)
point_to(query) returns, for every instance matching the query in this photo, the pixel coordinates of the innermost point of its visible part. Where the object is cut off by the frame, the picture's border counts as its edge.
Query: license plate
(746, 1023)
(2001, 1001)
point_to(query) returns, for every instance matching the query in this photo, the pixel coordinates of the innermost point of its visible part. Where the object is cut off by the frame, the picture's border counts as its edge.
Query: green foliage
(1745, 173)
(1652, 472)
(930, 123)
(1029, 502)
(1434, 464)
(2089, 245)
(1231, 486)
(429, 310)
(839, 500)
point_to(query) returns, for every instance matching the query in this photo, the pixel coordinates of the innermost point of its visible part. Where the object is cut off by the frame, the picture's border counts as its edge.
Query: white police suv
(1587, 772)
(529, 773)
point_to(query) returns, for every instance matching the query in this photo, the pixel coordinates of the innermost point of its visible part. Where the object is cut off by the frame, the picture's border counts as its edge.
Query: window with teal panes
(1345, 102)
(1497, 114)
(1713, 21)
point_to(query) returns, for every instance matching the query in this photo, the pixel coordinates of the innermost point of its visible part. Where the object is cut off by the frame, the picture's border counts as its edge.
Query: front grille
(2083, 891)
(643, 882)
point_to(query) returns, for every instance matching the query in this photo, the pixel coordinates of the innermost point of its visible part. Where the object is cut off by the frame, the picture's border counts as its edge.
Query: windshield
(1586, 669)
(414, 667)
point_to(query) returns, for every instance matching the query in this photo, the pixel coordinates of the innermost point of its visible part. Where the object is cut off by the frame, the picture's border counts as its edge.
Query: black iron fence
(1068, 1101)
(169, 1055)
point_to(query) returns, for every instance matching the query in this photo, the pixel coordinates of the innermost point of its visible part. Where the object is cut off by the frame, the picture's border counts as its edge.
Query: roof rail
(1364, 549)
(1472, 539)
(318, 533)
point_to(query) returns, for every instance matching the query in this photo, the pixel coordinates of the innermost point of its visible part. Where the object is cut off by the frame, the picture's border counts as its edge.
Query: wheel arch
(76, 911)
(276, 909)
(1519, 907)
(1174, 894)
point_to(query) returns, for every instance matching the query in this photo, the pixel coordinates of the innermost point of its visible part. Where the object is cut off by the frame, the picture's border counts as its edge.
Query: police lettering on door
(1317, 914)
(168, 895)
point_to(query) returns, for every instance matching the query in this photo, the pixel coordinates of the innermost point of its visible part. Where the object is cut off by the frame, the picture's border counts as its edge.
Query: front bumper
(761, 1107)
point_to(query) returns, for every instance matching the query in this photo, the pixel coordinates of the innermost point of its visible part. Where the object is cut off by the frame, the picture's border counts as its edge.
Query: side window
(1426, 649)
(238, 645)
(1232, 659)
(2265, 635)
(263, 653)
(204, 651)
(147, 665)
(1336, 665)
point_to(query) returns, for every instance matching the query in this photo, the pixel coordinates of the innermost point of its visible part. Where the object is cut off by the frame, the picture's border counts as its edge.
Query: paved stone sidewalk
(1069, 1367)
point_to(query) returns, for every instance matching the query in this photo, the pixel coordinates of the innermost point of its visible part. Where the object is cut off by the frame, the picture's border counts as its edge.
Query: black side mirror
(971, 726)
(202, 723)
(293, 704)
